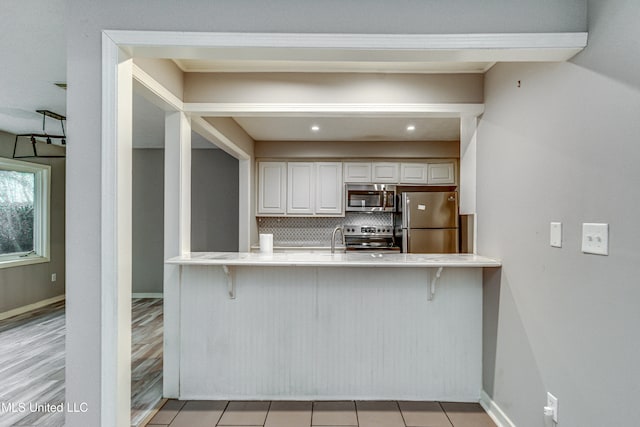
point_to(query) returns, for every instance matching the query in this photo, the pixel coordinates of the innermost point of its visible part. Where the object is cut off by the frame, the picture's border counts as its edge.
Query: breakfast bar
(313, 326)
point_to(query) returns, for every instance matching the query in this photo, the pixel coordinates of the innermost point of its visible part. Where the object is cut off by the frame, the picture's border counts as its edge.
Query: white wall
(84, 23)
(564, 147)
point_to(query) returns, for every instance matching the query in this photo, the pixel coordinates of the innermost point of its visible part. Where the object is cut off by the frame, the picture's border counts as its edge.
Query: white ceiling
(350, 128)
(33, 52)
(33, 48)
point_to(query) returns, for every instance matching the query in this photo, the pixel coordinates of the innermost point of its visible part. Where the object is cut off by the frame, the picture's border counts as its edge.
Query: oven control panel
(368, 230)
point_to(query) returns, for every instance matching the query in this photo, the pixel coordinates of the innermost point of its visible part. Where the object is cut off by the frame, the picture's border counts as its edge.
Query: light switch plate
(595, 238)
(552, 402)
(555, 234)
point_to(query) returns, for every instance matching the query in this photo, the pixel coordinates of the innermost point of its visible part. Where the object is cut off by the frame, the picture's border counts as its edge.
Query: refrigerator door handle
(405, 210)
(405, 240)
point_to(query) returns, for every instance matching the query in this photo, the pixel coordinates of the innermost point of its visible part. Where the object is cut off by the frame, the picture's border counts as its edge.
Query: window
(24, 213)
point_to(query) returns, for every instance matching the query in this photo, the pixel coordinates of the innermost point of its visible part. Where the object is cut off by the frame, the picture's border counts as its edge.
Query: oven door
(373, 250)
(369, 243)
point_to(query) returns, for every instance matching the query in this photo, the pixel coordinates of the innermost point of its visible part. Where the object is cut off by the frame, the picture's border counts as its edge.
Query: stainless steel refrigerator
(428, 222)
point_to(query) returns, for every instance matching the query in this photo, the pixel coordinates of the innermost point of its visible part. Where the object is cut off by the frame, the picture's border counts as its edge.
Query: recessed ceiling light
(411, 128)
(315, 128)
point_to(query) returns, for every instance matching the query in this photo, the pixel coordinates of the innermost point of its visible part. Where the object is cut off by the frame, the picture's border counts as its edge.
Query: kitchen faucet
(333, 238)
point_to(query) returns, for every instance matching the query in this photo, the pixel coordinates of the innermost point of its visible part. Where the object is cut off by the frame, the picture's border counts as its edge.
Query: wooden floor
(198, 413)
(32, 357)
(32, 365)
(146, 357)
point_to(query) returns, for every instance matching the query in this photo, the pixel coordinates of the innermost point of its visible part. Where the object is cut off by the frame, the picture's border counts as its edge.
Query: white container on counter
(266, 243)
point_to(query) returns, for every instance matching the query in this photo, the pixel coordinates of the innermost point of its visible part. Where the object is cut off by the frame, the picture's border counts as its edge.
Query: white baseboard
(494, 411)
(27, 308)
(147, 295)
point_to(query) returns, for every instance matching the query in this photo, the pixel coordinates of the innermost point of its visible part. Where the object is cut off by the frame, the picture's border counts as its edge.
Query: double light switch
(595, 238)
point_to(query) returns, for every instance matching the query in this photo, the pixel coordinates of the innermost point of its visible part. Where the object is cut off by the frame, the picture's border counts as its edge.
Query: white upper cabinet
(329, 188)
(441, 173)
(384, 172)
(272, 187)
(413, 173)
(300, 188)
(317, 188)
(371, 172)
(357, 172)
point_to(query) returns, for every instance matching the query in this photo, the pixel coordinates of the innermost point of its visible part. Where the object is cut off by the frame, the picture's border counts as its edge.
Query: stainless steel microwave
(370, 198)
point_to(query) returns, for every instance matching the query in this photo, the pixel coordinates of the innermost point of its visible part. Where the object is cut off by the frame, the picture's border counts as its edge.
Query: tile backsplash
(312, 231)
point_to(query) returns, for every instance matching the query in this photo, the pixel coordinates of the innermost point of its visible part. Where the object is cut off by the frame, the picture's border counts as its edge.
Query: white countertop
(339, 259)
(256, 248)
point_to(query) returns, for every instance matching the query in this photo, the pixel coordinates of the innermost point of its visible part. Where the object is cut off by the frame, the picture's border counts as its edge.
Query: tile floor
(198, 413)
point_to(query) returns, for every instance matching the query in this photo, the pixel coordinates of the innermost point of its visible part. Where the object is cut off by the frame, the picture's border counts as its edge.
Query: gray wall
(214, 201)
(564, 147)
(24, 285)
(214, 210)
(84, 23)
(148, 221)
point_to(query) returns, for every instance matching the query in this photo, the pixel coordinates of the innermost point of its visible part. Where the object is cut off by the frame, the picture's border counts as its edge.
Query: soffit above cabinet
(350, 129)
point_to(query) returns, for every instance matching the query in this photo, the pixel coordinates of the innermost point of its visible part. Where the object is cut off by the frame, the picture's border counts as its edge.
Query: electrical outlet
(54, 277)
(552, 402)
(595, 239)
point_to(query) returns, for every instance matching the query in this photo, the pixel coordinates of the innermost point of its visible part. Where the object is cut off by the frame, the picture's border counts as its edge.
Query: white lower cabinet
(272, 187)
(329, 188)
(300, 188)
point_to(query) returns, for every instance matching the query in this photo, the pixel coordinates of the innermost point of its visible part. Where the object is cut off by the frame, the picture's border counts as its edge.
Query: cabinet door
(384, 172)
(272, 185)
(413, 173)
(300, 188)
(357, 172)
(441, 173)
(329, 188)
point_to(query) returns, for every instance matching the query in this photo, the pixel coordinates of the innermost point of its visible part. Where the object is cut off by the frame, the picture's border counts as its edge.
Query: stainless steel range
(369, 238)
